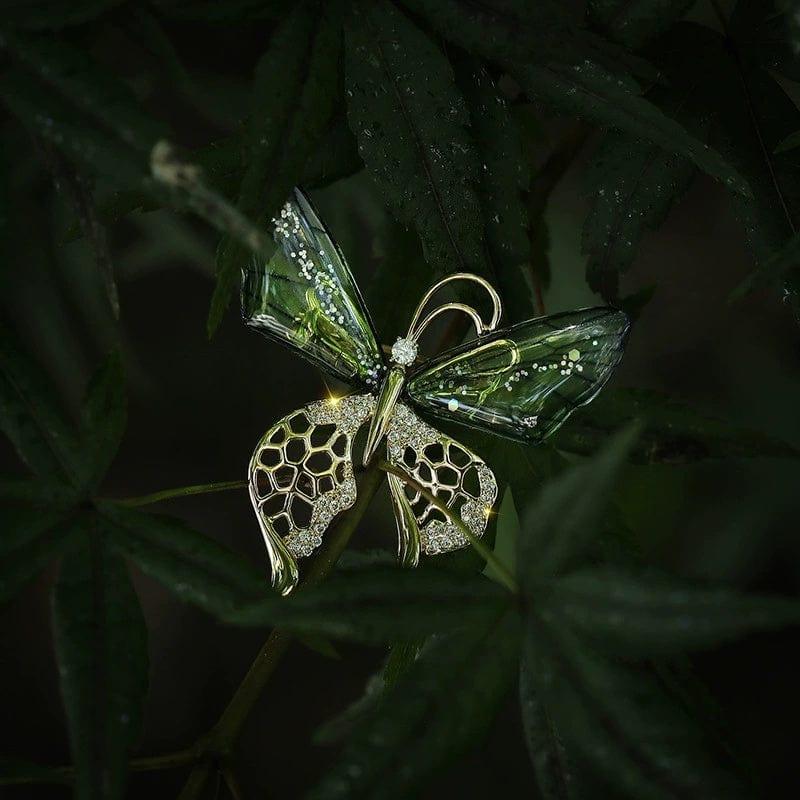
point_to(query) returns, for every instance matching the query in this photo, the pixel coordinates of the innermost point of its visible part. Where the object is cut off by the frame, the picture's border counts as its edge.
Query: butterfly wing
(301, 476)
(523, 382)
(450, 471)
(305, 296)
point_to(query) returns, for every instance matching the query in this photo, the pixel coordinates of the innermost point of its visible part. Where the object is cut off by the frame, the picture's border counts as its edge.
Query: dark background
(197, 408)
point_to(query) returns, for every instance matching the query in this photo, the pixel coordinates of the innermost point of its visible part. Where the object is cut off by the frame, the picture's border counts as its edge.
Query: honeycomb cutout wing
(451, 472)
(301, 477)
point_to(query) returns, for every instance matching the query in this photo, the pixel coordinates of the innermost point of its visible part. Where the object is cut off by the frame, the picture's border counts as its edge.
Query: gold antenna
(416, 327)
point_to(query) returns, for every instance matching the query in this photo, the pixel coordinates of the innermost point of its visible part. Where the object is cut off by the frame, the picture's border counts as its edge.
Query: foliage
(430, 103)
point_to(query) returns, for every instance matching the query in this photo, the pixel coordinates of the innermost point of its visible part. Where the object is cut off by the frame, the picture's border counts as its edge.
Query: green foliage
(674, 432)
(101, 644)
(633, 184)
(568, 511)
(418, 720)
(410, 122)
(382, 604)
(296, 109)
(464, 117)
(196, 568)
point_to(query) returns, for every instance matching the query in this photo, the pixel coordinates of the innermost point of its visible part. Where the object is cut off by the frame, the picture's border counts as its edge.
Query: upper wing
(306, 297)
(524, 381)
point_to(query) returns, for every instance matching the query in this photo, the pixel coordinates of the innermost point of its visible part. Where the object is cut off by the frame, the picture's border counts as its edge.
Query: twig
(220, 741)
(181, 491)
(502, 570)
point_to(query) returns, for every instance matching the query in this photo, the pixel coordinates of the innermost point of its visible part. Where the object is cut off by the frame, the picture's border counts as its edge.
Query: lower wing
(301, 477)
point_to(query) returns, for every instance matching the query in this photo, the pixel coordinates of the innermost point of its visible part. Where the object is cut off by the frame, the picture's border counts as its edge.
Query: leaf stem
(504, 573)
(219, 742)
(180, 758)
(181, 491)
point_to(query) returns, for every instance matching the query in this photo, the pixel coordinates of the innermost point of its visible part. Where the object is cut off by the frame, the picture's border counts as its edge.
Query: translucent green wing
(305, 296)
(524, 381)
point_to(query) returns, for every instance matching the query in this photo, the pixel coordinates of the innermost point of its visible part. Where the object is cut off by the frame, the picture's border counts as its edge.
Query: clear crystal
(404, 351)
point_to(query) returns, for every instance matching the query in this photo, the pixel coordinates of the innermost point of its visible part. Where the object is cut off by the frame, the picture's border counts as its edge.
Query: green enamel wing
(522, 382)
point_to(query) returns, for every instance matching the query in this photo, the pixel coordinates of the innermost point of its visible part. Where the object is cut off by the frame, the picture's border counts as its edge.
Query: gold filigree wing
(301, 476)
(447, 469)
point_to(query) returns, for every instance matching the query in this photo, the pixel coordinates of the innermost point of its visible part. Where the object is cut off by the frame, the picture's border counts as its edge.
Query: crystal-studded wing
(301, 477)
(447, 469)
(524, 381)
(305, 296)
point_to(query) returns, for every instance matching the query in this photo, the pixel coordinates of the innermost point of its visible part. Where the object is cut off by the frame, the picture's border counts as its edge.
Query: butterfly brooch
(521, 382)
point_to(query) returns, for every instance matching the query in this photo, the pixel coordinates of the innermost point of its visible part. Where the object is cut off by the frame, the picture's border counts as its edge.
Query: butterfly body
(521, 382)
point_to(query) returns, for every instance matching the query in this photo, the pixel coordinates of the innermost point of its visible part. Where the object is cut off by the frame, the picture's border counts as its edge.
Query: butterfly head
(405, 351)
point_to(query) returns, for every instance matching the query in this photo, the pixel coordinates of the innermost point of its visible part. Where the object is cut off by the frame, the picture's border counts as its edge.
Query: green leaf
(288, 120)
(506, 537)
(335, 158)
(88, 87)
(438, 709)
(633, 185)
(568, 512)
(650, 615)
(29, 541)
(619, 720)
(49, 116)
(634, 22)
(30, 417)
(555, 67)
(556, 773)
(35, 492)
(674, 432)
(380, 605)
(410, 122)
(504, 177)
(101, 645)
(196, 568)
(104, 418)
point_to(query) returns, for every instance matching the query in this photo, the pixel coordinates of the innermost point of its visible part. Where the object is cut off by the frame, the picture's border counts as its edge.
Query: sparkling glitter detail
(404, 352)
(321, 275)
(444, 467)
(304, 464)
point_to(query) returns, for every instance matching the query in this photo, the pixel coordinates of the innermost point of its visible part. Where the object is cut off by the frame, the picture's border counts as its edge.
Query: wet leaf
(504, 179)
(410, 122)
(560, 72)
